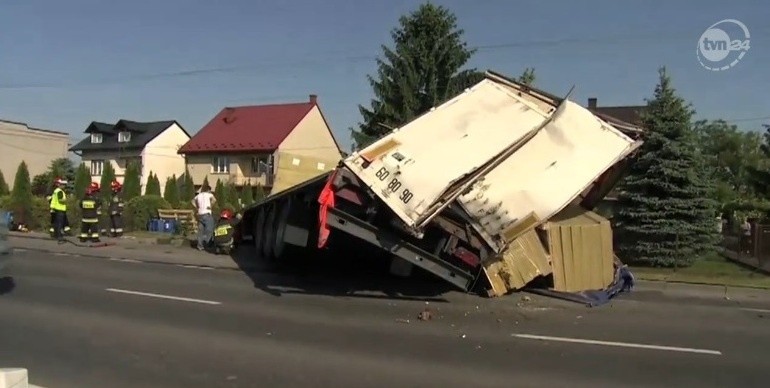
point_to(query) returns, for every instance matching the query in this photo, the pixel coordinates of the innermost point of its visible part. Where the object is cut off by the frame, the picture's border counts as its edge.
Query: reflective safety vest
(55, 203)
(223, 233)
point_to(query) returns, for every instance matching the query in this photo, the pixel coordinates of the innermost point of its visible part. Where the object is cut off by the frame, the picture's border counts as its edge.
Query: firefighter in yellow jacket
(90, 207)
(58, 182)
(58, 206)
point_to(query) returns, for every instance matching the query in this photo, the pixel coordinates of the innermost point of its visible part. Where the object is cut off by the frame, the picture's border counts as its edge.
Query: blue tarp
(623, 282)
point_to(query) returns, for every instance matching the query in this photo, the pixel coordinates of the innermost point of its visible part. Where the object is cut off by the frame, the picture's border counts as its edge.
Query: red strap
(326, 200)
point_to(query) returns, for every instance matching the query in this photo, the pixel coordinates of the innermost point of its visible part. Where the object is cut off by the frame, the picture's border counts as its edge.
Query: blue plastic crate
(169, 226)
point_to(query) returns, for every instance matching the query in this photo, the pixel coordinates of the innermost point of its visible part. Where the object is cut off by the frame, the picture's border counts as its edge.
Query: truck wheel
(268, 233)
(259, 230)
(280, 226)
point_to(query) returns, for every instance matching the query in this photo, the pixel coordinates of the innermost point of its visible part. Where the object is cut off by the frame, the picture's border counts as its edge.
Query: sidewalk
(751, 261)
(135, 249)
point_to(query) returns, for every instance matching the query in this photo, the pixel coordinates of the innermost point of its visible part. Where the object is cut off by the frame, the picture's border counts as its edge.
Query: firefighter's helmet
(116, 185)
(59, 181)
(92, 188)
(226, 214)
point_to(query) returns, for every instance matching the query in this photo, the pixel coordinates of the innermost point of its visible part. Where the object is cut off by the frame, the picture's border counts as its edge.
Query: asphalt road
(89, 322)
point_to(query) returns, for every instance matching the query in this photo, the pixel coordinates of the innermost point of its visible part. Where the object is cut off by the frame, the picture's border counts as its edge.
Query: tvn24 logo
(723, 45)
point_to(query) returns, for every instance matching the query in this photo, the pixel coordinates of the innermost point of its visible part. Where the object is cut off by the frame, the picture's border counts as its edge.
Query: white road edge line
(162, 296)
(124, 260)
(618, 344)
(194, 266)
(756, 310)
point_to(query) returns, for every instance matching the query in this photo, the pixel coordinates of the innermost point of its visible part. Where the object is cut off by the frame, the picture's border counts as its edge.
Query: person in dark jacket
(90, 206)
(223, 231)
(115, 210)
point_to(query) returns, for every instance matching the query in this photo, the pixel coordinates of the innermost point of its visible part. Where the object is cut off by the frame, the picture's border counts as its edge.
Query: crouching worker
(90, 206)
(223, 232)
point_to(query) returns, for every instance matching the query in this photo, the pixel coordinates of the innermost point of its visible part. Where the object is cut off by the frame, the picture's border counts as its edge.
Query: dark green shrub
(140, 210)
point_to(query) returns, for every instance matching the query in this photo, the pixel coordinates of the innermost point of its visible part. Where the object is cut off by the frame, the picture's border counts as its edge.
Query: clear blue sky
(64, 64)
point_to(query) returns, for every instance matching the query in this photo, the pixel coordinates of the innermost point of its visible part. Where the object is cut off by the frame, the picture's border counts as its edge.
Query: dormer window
(124, 137)
(96, 138)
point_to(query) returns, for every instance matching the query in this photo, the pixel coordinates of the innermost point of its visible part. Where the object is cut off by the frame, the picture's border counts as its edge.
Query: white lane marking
(162, 296)
(124, 260)
(194, 266)
(756, 310)
(619, 344)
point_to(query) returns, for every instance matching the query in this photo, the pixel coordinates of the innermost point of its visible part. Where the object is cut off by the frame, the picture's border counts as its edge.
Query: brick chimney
(592, 103)
(313, 99)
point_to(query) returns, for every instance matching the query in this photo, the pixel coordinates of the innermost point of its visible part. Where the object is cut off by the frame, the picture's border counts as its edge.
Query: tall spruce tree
(21, 195)
(108, 175)
(220, 192)
(423, 69)
(171, 191)
(153, 185)
(247, 195)
(132, 181)
(187, 187)
(528, 76)
(666, 214)
(82, 180)
(3, 185)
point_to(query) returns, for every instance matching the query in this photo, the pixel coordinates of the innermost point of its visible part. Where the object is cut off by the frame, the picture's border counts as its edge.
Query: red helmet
(92, 188)
(59, 181)
(226, 214)
(116, 185)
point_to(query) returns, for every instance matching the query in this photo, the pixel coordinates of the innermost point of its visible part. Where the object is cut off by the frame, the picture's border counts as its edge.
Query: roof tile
(248, 128)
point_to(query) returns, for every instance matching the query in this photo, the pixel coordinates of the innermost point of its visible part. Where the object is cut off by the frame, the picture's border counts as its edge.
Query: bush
(40, 216)
(171, 191)
(140, 210)
(3, 185)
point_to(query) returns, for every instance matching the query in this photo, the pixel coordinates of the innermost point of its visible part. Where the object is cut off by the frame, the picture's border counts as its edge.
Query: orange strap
(326, 200)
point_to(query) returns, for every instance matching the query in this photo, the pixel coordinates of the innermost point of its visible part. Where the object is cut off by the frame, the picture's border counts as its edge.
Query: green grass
(715, 270)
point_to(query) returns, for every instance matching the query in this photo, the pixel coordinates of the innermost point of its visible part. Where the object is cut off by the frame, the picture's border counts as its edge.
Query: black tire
(259, 227)
(268, 233)
(282, 218)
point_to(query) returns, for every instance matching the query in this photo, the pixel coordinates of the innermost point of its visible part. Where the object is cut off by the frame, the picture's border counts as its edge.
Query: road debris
(402, 320)
(425, 315)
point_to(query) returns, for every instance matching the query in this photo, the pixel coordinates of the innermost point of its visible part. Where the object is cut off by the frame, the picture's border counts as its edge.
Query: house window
(262, 164)
(96, 138)
(220, 165)
(97, 166)
(124, 137)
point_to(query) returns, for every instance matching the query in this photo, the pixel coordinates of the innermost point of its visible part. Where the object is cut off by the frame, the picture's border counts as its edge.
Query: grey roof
(141, 134)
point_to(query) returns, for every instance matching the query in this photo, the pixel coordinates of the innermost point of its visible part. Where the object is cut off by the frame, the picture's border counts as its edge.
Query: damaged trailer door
(545, 175)
(412, 167)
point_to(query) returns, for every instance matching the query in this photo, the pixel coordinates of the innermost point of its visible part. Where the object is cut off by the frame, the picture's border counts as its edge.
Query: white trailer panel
(413, 166)
(546, 174)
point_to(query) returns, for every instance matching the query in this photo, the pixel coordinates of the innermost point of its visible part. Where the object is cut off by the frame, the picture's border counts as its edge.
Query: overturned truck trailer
(476, 191)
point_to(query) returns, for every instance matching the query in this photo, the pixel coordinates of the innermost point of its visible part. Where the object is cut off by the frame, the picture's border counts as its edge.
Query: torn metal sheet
(412, 167)
(546, 174)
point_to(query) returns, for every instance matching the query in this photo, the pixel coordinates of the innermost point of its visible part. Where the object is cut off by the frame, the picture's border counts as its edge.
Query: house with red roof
(243, 145)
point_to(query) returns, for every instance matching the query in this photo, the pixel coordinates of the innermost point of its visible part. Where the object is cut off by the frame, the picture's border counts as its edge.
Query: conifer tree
(132, 182)
(21, 195)
(3, 185)
(666, 214)
(171, 191)
(422, 69)
(82, 180)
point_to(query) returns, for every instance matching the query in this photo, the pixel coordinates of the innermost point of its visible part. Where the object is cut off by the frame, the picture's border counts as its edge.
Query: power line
(349, 59)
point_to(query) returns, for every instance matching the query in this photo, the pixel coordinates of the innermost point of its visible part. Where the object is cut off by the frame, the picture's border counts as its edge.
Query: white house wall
(36, 148)
(160, 156)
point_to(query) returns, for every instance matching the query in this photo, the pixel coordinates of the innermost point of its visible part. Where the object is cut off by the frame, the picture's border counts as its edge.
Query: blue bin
(169, 226)
(7, 217)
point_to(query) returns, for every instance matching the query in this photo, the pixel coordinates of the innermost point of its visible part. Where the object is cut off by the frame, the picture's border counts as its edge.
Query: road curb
(131, 239)
(242, 267)
(695, 283)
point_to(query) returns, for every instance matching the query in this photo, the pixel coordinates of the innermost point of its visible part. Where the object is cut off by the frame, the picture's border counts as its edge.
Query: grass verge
(715, 270)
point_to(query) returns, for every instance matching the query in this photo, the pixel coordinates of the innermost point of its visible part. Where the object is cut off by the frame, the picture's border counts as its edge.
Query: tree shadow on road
(337, 272)
(7, 284)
